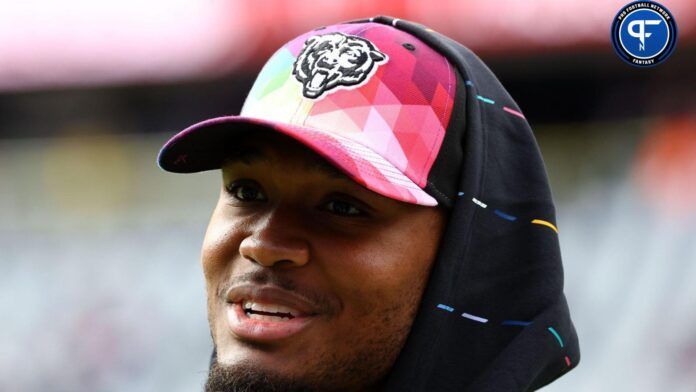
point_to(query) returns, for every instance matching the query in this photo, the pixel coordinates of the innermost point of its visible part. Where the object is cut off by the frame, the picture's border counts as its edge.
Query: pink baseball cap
(372, 99)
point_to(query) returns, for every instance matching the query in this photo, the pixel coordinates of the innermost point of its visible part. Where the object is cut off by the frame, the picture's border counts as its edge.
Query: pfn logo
(644, 33)
(640, 33)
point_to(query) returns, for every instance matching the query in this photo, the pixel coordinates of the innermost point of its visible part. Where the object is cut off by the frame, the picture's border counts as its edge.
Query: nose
(276, 240)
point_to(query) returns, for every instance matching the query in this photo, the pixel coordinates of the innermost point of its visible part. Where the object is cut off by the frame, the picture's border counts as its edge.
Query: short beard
(360, 362)
(243, 377)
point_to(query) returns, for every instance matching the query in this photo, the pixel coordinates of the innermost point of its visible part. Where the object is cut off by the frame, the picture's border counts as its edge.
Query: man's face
(312, 280)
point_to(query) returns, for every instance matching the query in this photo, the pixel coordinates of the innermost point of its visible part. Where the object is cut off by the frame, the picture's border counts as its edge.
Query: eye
(343, 208)
(245, 192)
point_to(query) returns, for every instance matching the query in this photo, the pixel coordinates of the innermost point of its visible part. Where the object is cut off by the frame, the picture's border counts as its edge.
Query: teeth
(264, 317)
(268, 308)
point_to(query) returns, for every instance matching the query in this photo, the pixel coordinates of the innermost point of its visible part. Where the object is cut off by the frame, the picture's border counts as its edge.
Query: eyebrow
(250, 154)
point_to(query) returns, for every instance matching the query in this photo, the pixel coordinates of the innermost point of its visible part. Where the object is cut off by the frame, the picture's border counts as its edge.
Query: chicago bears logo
(334, 60)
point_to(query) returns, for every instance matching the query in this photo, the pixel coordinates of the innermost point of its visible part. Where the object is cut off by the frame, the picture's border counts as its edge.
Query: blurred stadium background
(100, 286)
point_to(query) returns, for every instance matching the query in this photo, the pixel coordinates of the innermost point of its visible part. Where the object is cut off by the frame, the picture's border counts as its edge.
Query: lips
(268, 313)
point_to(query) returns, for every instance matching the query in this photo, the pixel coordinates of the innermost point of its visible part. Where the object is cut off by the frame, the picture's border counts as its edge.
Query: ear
(376, 56)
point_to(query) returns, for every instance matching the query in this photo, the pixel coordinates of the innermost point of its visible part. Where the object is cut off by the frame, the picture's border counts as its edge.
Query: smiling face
(312, 280)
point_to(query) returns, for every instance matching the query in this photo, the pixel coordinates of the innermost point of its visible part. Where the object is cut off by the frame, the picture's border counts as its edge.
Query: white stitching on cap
(377, 161)
(387, 171)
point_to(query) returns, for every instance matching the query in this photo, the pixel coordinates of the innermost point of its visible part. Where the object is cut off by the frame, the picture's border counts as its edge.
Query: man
(384, 223)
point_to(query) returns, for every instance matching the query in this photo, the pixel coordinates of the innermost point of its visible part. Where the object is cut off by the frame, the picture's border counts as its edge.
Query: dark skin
(285, 217)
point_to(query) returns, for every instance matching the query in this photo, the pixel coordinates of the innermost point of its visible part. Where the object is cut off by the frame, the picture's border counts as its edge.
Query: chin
(247, 376)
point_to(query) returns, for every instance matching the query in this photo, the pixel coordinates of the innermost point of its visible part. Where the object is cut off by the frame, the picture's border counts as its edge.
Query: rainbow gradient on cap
(384, 133)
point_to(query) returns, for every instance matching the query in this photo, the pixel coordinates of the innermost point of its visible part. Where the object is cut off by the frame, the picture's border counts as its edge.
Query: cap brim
(205, 145)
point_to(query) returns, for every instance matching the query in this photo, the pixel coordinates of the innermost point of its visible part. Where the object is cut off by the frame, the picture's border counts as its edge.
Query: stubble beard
(363, 371)
(243, 377)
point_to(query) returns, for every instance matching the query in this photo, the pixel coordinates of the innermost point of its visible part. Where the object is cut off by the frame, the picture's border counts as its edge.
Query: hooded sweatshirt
(493, 316)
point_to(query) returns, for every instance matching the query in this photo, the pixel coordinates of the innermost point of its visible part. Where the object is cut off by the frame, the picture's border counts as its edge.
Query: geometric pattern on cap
(363, 165)
(400, 114)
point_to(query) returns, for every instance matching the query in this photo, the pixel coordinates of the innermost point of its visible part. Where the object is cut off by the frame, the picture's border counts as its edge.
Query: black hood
(493, 316)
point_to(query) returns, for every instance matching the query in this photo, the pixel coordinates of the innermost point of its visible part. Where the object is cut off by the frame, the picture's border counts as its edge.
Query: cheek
(387, 269)
(220, 246)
